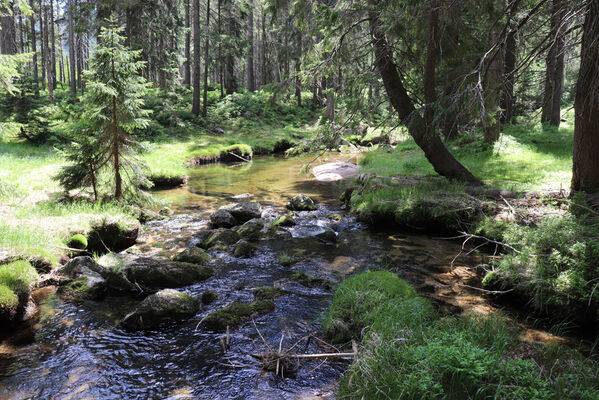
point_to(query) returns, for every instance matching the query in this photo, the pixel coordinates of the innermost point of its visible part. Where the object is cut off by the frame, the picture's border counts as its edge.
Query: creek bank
(546, 242)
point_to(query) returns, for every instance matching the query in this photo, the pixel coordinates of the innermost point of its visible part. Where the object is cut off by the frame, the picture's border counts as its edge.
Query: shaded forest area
(476, 120)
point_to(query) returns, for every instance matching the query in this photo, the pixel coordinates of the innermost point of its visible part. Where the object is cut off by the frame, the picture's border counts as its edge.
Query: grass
(527, 157)
(16, 280)
(408, 352)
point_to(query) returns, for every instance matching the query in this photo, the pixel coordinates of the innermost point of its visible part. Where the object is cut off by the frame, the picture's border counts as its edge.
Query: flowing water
(79, 352)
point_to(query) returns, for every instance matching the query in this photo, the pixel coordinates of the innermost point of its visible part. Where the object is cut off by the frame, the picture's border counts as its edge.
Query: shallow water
(80, 353)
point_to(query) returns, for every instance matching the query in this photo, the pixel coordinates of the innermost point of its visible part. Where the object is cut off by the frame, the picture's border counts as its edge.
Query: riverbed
(79, 352)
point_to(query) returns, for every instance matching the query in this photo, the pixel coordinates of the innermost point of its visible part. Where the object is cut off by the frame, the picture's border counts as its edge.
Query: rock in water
(222, 219)
(244, 211)
(243, 249)
(224, 236)
(84, 279)
(193, 255)
(301, 202)
(335, 171)
(165, 306)
(284, 220)
(252, 229)
(328, 236)
(237, 313)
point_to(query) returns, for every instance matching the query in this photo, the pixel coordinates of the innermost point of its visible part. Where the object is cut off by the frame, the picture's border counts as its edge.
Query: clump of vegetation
(16, 281)
(409, 353)
(237, 313)
(77, 241)
(217, 152)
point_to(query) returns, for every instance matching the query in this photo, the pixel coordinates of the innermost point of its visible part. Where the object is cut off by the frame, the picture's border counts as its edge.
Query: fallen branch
(308, 356)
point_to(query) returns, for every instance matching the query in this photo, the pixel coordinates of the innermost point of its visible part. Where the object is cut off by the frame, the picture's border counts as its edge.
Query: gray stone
(252, 229)
(243, 249)
(163, 307)
(224, 236)
(83, 278)
(222, 219)
(244, 211)
(193, 255)
(301, 202)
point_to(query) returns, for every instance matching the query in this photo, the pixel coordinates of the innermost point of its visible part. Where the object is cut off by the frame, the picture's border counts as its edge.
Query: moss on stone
(225, 236)
(311, 282)
(209, 296)
(237, 313)
(193, 255)
(268, 292)
(77, 241)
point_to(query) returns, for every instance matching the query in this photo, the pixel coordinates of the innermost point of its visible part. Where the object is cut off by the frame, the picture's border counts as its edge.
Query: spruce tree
(113, 107)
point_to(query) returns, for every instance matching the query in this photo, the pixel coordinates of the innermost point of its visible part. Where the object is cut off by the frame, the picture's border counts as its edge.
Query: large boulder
(252, 229)
(301, 202)
(130, 273)
(111, 234)
(335, 171)
(224, 236)
(244, 211)
(222, 219)
(163, 307)
(82, 278)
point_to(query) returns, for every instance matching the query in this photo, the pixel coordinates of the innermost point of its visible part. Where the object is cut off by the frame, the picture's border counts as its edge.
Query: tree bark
(73, 78)
(435, 151)
(8, 29)
(186, 64)
(585, 171)
(509, 72)
(52, 46)
(34, 49)
(197, 58)
(229, 57)
(42, 44)
(48, 58)
(251, 79)
(206, 57)
(554, 76)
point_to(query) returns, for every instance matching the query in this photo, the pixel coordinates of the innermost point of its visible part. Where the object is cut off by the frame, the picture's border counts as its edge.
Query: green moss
(311, 282)
(8, 299)
(19, 276)
(237, 313)
(225, 236)
(193, 255)
(268, 292)
(209, 296)
(357, 302)
(77, 241)
(490, 280)
(79, 289)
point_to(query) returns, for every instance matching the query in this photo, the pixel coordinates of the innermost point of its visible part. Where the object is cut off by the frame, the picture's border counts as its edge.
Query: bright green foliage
(77, 241)
(408, 354)
(357, 301)
(113, 106)
(8, 299)
(16, 280)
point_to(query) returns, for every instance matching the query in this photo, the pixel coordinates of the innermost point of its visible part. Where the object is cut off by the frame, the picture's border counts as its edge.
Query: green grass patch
(526, 157)
(16, 281)
(28, 241)
(408, 352)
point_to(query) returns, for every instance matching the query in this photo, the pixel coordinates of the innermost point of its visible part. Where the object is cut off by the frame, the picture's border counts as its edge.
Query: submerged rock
(312, 282)
(224, 236)
(222, 219)
(193, 255)
(209, 296)
(244, 211)
(252, 229)
(237, 313)
(84, 279)
(165, 306)
(301, 202)
(328, 236)
(131, 273)
(268, 292)
(243, 249)
(108, 235)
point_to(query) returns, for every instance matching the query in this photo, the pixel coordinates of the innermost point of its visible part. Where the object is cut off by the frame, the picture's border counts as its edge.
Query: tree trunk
(42, 45)
(186, 64)
(197, 58)
(52, 46)
(48, 65)
(509, 71)
(34, 49)
(73, 78)
(554, 76)
(441, 159)
(206, 57)
(229, 57)
(298, 68)
(263, 69)
(221, 77)
(251, 83)
(8, 29)
(585, 172)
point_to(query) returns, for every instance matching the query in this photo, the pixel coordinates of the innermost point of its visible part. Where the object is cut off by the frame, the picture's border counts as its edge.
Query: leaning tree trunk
(435, 151)
(585, 171)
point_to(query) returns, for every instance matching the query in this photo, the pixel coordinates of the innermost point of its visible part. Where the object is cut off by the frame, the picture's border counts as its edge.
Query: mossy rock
(328, 236)
(244, 211)
(17, 278)
(252, 229)
(236, 314)
(225, 236)
(243, 249)
(335, 217)
(209, 296)
(112, 235)
(222, 219)
(284, 220)
(193, 255)
(276, 232)
(301, 202)
(78, 242)
(83, 279)
(166, 181)
(145, 215)
(163, 307)
(82, 288)
(311, 282)
(268, 292)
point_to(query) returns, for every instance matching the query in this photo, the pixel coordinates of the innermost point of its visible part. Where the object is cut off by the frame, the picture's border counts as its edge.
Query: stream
(79, 352)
